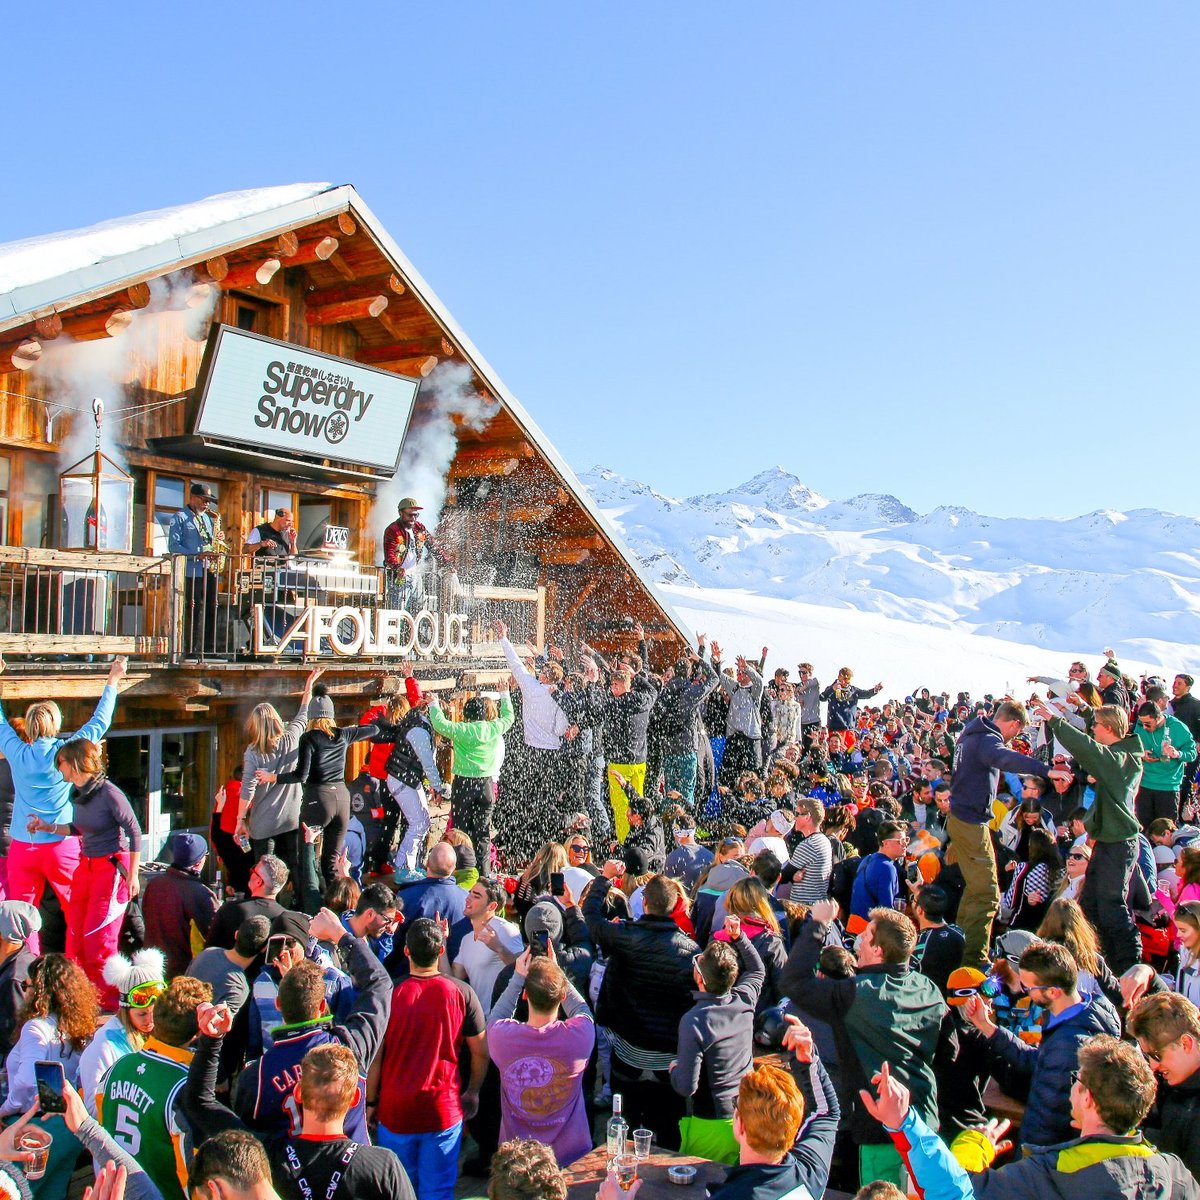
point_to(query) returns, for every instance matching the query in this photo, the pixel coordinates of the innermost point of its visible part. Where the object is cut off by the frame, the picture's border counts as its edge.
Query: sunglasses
(1155, 1057)
(145, 994)
(578, 848)
(1078, 857)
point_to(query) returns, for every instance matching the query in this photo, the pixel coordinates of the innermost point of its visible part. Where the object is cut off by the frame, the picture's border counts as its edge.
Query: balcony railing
(69, 604)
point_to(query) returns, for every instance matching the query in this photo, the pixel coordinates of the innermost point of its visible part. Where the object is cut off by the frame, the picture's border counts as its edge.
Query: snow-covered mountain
(1127, 580)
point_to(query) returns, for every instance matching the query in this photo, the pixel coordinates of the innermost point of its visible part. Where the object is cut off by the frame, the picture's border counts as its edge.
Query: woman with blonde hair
(35, 859)
(321, 769)
(750, 901)
(534, 881)
(270, 813)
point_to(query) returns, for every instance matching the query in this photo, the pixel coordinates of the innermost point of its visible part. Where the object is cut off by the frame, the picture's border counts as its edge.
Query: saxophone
(218, 544)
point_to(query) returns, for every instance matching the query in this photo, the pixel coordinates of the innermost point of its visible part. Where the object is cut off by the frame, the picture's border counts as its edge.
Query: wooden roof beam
(564, 557)
(489, 450)
(379, 285)
(314, 250)
(251, 274)
(416, 368)
(108, 322)
(211, 271)
(20, 356)
(474, 470)
(345, 310)
(408, 348)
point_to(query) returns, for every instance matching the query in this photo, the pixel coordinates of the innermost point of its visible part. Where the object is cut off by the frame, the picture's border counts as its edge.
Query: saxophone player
(192, 532)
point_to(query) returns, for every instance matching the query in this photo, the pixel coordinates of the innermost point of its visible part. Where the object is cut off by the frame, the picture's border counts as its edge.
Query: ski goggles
(144, 994)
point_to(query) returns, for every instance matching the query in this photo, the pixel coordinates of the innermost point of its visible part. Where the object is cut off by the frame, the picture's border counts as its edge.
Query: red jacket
(379, 752)
(397, 541)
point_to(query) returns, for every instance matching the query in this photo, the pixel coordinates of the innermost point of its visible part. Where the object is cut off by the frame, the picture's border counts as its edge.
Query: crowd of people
(803, 932)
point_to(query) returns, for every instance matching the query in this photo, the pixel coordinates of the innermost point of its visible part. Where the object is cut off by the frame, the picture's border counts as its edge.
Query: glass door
(169, 776)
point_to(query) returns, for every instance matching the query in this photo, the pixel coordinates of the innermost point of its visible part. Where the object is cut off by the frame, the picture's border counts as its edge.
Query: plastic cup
(642, 1141)
(625, 1168)
(38, 1141)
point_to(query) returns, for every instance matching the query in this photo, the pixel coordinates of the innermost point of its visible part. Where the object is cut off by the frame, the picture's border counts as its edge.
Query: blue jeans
(680, 772)
(429, 1159)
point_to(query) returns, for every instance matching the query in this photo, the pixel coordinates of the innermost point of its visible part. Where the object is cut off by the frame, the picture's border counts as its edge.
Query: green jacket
(478, 745)
(1118, 772)
(1166, 775)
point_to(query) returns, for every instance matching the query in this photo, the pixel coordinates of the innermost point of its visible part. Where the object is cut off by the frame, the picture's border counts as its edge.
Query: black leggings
(472, 802)
(327, 805)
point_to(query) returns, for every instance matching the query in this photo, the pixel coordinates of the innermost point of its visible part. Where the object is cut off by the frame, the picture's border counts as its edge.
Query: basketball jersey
(137, 1105)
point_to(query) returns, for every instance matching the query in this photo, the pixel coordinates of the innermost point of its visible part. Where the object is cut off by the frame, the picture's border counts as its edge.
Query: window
(5, 480)
(170, 495)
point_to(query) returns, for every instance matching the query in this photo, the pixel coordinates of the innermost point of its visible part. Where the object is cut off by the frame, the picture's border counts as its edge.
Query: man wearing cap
(406, 545)
(178, 906)
(191, 533)
(17, 921)
(269, 544)
(1108, 680)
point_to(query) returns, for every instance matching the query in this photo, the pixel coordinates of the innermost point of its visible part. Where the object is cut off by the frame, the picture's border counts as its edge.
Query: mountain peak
(774, 488)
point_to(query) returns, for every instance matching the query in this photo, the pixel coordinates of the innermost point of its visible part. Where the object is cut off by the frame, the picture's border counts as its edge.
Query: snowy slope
(1054, 587)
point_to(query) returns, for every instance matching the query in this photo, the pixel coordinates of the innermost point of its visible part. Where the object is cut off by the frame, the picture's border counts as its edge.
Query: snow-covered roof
(61, 270)
(56, 269)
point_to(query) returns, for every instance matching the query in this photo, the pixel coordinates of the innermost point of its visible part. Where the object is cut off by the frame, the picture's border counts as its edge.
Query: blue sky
(944, 251)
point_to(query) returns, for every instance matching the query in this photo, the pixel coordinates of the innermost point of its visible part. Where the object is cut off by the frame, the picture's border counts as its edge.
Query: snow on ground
(903, 655)
(952, 598)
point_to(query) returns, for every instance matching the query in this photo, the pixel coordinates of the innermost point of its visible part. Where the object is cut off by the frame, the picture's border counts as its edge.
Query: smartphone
(542, 938)
(275, 945)
(50, 1082)
(558, 885)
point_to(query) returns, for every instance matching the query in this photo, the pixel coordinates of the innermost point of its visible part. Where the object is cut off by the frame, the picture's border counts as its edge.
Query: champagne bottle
(618, 1129)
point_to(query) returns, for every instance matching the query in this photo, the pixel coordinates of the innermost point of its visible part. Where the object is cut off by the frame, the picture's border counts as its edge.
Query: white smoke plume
(71, 374)
(429, 447)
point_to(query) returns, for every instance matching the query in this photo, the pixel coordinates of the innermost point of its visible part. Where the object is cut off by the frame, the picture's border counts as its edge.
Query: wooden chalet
(142, 313)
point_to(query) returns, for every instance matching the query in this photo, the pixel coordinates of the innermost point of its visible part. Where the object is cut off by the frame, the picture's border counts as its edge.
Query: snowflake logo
(336, 428)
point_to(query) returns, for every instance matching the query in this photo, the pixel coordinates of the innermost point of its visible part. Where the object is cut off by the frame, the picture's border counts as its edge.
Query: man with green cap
(407, 544)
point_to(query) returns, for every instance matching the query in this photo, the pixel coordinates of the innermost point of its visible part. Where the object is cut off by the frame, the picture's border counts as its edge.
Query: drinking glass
(642, 1140)
(625, 1168)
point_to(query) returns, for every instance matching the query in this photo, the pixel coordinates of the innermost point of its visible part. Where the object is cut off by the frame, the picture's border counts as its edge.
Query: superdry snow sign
(260, 392)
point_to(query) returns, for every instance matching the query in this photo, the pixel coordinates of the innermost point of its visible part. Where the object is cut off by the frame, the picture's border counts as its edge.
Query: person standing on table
(270, 813)
(410, 763)
(478, 756)
(407, 548)
(41, 791)
(625, 707)
(980, 755)
(321, 768)
(543, 723)
(191, 533)
(106, 878)
(1113, 756)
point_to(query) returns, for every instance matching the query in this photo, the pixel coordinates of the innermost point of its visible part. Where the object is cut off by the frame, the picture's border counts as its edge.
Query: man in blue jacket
(1049, 974)
(877, 881)
(980, 754)
(1109, 1160)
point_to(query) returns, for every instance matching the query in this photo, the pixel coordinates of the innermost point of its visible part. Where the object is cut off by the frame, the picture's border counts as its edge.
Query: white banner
(261, 392)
